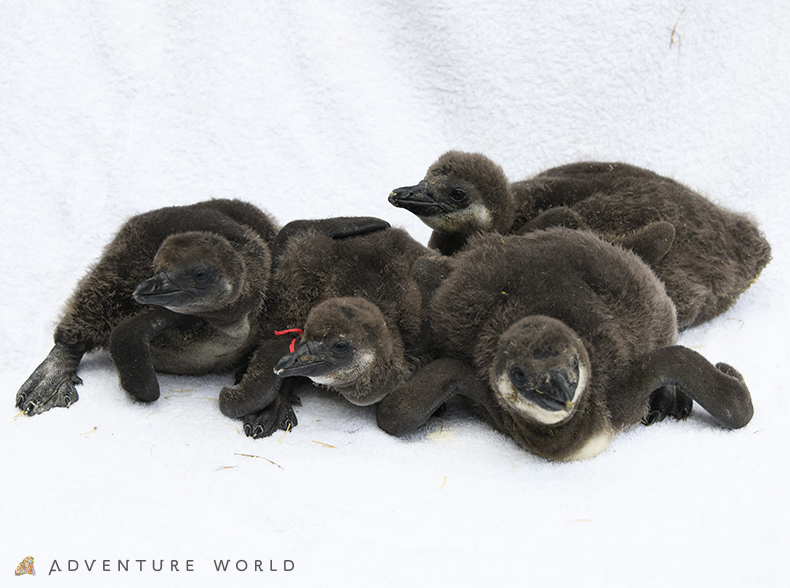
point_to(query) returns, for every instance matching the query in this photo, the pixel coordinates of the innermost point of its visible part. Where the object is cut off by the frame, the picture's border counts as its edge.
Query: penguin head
(194, 273)
(462, 193)
(541, 370)
(343, 339)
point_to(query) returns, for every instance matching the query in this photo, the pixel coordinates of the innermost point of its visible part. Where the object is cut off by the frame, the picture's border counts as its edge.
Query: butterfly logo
(25, 567)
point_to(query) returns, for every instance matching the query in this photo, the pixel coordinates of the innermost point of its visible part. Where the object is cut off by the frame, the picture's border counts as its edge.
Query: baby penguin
(348, 346)
(199, 312)
(355, 296)
(564, 340)
(707, 256)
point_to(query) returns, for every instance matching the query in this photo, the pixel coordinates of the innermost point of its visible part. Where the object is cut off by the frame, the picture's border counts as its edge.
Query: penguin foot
(52, 384)
(668, 401)
(278, 415)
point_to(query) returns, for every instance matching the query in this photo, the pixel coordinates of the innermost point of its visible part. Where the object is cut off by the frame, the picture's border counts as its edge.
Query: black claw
(683, 406)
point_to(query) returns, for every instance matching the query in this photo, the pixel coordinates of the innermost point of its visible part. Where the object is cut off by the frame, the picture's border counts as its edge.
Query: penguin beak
(556, 391)
(309, 359)
(160, 291)
(416, 199)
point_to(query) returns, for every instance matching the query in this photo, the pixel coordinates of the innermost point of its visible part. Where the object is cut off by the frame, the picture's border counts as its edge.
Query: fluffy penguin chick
(564, 340)
(201, 274)
(710, 255)
(313, 268)
(348, 347)
(196, 314)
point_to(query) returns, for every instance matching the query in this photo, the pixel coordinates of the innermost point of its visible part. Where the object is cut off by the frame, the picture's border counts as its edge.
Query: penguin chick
(564, 340)
(348, 347)
(712, 256)
(197, 314)
(313, 268)
(197, 275)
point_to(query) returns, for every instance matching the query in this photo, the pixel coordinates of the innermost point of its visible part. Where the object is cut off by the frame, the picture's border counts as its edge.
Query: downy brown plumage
(713, 256)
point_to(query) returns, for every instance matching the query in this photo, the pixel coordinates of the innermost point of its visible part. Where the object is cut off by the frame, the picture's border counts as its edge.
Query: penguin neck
(236, 319)
(241, 316)
(387, 370)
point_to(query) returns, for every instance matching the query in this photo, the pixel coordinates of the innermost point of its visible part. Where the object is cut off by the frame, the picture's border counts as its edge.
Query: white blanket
(314, 109)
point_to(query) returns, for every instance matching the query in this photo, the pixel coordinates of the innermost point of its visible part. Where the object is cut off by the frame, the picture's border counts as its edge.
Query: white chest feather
(593, 446)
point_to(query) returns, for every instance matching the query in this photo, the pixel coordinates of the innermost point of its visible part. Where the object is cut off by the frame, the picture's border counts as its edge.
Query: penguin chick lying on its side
(196, 315)
(348, 346)
(706, 259)
(564, 340)
(376, 267)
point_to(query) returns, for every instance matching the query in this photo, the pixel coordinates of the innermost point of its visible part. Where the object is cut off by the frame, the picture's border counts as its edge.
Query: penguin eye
(458, 195)
(518, 377)
(201, 276)
(575, 362)
(341, 349)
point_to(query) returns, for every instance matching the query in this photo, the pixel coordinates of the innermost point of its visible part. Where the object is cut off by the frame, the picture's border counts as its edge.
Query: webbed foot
(52, 384)
(278, 415)
(668, 401)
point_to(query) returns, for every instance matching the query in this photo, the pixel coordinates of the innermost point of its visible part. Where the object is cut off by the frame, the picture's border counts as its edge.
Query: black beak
(556, 391)
(416, 199)
(159, 291)
(306, 360)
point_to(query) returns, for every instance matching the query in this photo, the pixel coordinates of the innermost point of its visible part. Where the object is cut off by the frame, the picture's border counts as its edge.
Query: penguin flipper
(52, 383)
(336, 228)
(278, 415)
(557, 216)
(409, 405)
(131, 354)
(650, 243)
(258, 386)
(719, 389)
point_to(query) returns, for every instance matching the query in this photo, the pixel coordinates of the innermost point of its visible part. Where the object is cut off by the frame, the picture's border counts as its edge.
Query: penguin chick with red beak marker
(363, 313)
(348, 346)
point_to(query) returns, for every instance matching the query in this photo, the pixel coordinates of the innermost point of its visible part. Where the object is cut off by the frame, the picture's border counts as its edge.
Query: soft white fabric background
(314, 109)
